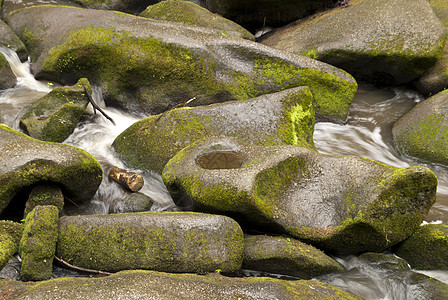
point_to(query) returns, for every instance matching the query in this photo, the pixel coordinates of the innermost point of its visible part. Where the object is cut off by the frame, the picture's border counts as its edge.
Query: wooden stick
(162, 114)
(96, 106)
(79, 268)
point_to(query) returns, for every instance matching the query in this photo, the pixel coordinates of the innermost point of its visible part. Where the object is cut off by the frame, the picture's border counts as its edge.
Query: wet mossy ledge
(426, 248)
(164, 286)
(286, 256)
(286, 117)
(343, 205)
(27, 161)
(382, 42)
(7, 77)
(151, 66)
(423, 131)
(162, 241)
(190, 13)
(10, 234)
(55, 116)
(38, 243)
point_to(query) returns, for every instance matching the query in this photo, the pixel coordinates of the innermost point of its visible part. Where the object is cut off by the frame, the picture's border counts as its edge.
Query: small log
(127, 179)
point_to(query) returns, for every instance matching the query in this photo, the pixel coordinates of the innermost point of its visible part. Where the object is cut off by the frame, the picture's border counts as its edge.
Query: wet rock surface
(423, 131)
(285, 117)
(162, 241)
(323, 200)
(287, 256)
(385, 42)
(122, 54)
(426, 248)
(38, 243)
(25, 161)
(157, 285)
(53, 117)
(189, 13)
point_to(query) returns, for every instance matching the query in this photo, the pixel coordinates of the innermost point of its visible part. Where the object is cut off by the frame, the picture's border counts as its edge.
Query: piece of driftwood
(127, 179)
(96, 106)
(63, 262)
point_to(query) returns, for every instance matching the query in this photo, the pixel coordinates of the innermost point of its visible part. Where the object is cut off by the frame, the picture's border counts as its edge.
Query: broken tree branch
(79, 268)
(165, 112)
(96, 106)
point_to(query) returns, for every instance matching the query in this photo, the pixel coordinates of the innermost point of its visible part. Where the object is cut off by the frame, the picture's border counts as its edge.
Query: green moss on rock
(10, 234)
(164, 286)
(426, 248)
(190, 13)
(285, 117)
(53, 117)
(423, 132)
(323, 200)
(38, 244)
(169, 242)
(141, 66)
(29, 161)
(282, 255)
(45, 194)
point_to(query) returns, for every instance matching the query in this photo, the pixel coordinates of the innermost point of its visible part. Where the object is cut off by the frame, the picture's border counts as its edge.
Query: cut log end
(130, 180)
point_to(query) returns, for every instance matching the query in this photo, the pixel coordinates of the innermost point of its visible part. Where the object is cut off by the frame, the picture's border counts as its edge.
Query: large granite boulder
(10, 234)
(151, 66)
(25, 161)
(287, 256)
(45, 194)
(154, 285)
(256, 14)
(385, 42)
(285, 117)
(423, 131)
(129, 6)
(190, 13)
(436, 78)
(8, 39)
(426, 248)
(161, 241)
(7, 77)
(55, 116)
(346, 205)
(38, 243)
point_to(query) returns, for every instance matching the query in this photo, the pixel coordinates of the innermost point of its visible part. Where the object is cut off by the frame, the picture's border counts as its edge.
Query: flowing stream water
(367, 133)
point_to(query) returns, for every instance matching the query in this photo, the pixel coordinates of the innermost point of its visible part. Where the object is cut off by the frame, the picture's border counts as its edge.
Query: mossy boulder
(54, 117)
(10, 234)
(287, 256)
(151, 66)
(256, 14)
(164, 286)
(423, 131)
(436, 78)
(426, 248)
(7, 77)
(45, 194)
(27, 161)
(384, 42)
(38, 243)
(190, 13)
(128, 6)
(344, 205)
(161, 241)
(8, 39)
(285, 117)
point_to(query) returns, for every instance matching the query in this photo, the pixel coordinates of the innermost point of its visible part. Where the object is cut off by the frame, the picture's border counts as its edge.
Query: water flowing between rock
(367, 133)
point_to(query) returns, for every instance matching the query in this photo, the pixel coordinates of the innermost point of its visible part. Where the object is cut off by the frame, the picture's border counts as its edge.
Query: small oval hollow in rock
(221, 160)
